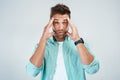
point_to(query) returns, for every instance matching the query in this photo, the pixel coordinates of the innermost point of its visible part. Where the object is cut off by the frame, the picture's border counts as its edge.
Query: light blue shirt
(74, 67)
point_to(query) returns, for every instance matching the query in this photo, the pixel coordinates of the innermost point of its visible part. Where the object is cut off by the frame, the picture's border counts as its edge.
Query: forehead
(60, 17)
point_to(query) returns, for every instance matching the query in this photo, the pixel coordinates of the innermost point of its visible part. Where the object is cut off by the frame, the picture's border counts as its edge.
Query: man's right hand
(37, 58)
(46, 33)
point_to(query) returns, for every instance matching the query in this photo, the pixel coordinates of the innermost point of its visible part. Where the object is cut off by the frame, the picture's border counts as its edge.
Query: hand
(47, 34)
(74, 34)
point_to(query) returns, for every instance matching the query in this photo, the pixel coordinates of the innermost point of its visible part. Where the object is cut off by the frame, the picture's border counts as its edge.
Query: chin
(61, 36)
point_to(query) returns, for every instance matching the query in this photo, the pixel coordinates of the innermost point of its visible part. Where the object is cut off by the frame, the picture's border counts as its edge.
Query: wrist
(43, 40)
(79, 41)
(77, 38)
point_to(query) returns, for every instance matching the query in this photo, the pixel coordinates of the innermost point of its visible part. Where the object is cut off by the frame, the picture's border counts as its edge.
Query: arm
(38, 56)
(90, 64)
(85, 55)
(36, 64)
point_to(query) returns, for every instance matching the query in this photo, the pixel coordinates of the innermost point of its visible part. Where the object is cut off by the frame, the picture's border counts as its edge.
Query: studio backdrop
(22, 23)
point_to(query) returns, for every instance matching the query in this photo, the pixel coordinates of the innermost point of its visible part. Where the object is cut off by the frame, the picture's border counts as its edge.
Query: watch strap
(79, 41)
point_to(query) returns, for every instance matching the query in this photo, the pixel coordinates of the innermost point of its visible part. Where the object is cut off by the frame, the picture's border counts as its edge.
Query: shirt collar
(52, 39)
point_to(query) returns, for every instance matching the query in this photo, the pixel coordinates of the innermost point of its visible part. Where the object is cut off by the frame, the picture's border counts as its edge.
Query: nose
(61, 26)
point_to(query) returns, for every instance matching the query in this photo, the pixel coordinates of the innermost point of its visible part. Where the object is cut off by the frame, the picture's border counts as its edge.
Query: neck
(59, 39)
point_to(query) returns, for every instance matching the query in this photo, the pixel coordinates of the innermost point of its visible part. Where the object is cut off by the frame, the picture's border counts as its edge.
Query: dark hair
(60, 9)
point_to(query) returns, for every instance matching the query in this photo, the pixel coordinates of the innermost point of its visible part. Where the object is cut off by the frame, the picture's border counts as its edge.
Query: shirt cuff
(92, 68)
(32, 69)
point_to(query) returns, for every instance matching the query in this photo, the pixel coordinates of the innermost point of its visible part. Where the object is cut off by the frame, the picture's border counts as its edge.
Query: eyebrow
(58, 20)
(65, 20)
(55, 19)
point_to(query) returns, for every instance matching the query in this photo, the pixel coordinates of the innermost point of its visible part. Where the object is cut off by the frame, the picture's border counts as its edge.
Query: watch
(79, 41)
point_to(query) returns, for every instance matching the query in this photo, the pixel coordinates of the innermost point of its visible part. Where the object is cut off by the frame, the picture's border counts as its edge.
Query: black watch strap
(79, 41)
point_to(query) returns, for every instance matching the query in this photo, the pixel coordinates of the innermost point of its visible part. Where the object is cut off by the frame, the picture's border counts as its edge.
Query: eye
(65, 23)
(55, 23)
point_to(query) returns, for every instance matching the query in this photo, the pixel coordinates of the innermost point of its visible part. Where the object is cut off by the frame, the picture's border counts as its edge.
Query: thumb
(68, 34)
(52, 33)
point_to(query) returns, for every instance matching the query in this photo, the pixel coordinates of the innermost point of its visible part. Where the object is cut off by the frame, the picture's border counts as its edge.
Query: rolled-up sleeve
(92, 68)
(33, 70)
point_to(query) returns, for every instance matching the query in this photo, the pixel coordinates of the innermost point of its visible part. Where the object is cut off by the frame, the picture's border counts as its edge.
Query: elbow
(33, 70)
(93, 69)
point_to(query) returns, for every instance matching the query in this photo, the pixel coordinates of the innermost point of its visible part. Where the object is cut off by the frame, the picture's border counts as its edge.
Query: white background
(22, 22)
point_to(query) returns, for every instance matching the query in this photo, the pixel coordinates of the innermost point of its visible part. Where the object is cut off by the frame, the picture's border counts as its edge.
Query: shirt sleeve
(93, 67)
(31, 69)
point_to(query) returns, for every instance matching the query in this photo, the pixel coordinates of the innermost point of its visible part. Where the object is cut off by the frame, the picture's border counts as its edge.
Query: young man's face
(60, 25)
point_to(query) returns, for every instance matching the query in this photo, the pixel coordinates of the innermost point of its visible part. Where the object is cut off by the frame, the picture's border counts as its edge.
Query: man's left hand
(74, 34)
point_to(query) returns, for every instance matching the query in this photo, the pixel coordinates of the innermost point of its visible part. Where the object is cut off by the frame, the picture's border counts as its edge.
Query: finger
(68, 34)
(71, 25)
(50, 22)
(69, 22)
(52, 33)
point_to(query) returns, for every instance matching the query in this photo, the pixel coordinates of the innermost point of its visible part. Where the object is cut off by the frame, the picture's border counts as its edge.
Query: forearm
(85, 55)
(38, 56)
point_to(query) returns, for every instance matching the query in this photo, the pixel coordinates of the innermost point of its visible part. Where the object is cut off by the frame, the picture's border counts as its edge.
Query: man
(61, 55)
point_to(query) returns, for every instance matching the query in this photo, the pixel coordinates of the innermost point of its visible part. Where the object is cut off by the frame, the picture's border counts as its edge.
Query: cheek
(55, 27)
(66, 28)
